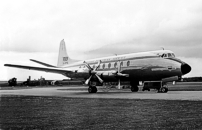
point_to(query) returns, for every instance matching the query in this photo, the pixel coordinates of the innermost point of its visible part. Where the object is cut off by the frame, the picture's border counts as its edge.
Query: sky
(96, 28)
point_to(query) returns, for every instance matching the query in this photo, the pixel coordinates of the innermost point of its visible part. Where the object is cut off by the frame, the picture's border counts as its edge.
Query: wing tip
(6, 64)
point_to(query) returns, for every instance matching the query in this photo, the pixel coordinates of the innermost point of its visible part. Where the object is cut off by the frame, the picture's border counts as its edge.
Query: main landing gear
(134, 86)
(92, 89)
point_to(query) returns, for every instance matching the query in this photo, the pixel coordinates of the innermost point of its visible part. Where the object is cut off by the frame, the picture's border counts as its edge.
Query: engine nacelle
(170, 79)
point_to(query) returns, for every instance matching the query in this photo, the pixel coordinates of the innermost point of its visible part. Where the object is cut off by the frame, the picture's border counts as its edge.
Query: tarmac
(81, 92)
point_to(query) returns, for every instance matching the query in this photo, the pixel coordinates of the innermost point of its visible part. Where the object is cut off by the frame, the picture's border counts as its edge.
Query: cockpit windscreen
(167, 55)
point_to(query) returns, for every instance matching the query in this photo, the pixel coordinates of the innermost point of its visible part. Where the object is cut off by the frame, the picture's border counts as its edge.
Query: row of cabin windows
(102, 66)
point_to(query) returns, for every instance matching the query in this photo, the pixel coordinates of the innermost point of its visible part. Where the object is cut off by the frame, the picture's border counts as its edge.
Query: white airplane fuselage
(142, 66)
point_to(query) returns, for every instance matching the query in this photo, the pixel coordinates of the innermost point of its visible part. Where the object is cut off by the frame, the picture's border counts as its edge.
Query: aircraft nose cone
(185, 68)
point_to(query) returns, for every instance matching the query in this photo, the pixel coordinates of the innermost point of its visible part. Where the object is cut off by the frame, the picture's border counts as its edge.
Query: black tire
(92, 89)
(134, 89)
(134, 86)
(164, 90)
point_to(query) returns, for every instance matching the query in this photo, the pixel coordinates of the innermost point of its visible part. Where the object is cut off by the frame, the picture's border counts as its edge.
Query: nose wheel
(92, 89)
(163, 89)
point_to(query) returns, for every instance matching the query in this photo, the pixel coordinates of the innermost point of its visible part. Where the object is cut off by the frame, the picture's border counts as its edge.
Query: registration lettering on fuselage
(110, 59)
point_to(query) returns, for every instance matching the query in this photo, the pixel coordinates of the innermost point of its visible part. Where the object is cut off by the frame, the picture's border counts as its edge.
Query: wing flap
(47, 69)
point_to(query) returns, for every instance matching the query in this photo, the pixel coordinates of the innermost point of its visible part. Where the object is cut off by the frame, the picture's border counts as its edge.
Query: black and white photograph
(100, 64)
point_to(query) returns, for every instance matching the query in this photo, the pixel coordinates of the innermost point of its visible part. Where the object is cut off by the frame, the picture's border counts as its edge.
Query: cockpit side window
(173, 55)
(169, 55)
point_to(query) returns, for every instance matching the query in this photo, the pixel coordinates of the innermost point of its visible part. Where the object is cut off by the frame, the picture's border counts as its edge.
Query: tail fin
(63, 58)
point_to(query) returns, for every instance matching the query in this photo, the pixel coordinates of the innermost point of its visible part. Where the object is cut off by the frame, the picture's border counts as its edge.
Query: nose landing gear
(158, 85)
(163, 89)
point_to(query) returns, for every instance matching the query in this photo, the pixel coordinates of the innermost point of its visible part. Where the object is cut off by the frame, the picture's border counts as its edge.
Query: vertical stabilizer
(63, 58)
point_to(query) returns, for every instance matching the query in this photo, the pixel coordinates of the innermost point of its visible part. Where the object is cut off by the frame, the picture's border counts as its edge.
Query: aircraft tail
(63, 58)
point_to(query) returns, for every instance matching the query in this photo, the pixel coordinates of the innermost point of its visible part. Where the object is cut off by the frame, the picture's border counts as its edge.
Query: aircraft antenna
(162, 48)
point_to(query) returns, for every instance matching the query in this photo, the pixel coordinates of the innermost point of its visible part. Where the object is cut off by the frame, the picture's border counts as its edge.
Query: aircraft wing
(45, 69)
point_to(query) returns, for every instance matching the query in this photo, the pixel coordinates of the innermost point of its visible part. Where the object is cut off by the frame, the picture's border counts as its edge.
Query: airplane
(160, 65)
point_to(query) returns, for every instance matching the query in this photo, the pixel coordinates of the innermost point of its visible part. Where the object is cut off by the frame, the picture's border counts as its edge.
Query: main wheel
(134, 86)
(92, 89)
(134, 89)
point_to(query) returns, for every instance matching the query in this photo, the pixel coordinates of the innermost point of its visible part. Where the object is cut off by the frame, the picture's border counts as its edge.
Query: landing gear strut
(92, 89)
(134, 86)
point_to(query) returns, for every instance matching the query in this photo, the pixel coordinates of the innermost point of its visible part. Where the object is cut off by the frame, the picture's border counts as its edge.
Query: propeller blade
(101, 81)
(98, 65)
(87, 65)
(88, 80)
(119, 66)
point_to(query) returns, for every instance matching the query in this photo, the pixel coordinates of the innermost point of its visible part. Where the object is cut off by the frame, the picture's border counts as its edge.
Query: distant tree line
(192, 79)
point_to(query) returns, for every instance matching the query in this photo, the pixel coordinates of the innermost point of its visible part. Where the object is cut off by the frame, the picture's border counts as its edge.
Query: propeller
(118, 73)
(93, 72)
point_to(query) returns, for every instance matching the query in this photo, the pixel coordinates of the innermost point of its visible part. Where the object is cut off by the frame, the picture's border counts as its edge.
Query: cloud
(38, 26)
(101, 27)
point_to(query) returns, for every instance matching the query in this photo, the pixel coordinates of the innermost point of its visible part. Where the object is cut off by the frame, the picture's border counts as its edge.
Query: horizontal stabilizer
(52, 70)
(45, 64)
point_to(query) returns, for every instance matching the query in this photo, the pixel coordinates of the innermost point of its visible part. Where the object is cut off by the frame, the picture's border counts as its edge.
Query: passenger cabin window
(103, 66)
(109, 65)
(128, 63)
(115, 64)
